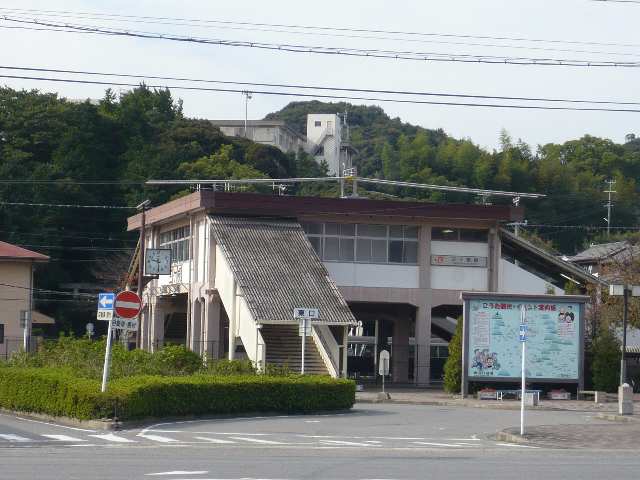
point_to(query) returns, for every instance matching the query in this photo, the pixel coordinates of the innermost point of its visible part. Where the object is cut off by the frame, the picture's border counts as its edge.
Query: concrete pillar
(212, 331)
(345, 356)
(195, 341)
(493, 262)
(423, 345)
(400, 348)
(156, 324)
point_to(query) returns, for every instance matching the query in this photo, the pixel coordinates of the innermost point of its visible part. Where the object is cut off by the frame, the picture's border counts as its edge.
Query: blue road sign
(523, 332)
(106, 300)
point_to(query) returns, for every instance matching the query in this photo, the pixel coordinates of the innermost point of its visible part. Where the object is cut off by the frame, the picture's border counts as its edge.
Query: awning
(277, 270)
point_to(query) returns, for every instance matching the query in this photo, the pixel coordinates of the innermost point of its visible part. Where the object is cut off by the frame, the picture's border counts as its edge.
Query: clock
(157, 261)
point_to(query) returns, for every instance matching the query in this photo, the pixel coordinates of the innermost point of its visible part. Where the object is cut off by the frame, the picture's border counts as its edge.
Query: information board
(553, 337)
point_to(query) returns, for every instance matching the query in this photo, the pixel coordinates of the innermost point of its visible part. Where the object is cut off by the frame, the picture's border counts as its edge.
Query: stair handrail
(325, 350)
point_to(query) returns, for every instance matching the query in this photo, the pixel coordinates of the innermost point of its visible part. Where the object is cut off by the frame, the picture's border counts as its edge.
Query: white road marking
(178, 472)
(214, 440)
(472, 439)
(110, 437)
(49, 424)
(350, 444)
(158, 438)
(515, 445)
(220, 433)
(64, 438)
(258, 440)
(434, 444)
(312, 421)
(14, 438)
(362, 438)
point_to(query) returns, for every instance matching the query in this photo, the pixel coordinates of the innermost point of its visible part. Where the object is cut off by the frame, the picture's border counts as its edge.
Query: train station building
(384, 275)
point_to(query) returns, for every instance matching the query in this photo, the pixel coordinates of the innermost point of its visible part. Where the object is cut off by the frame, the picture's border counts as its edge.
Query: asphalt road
(371, 442)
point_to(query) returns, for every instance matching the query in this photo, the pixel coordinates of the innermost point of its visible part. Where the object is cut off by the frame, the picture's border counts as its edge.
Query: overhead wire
(296, 86)
(328, 50)
(336, 97)
(58, 205)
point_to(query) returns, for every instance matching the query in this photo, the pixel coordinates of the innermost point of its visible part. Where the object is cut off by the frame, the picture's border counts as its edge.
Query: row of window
(344, 242)
(459, 234)
(178, 240)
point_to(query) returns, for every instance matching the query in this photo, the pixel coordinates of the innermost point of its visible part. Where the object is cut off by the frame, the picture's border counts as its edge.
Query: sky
(567, 20)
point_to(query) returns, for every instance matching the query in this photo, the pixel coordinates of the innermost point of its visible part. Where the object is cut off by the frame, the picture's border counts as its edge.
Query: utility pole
(609, 191)
(516, 203)
(142, 207)
(247, 97)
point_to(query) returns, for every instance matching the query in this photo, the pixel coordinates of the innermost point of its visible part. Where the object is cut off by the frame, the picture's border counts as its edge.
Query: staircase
(284, 347)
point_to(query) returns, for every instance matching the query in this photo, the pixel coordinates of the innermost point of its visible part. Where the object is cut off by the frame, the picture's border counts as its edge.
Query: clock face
(157, 261)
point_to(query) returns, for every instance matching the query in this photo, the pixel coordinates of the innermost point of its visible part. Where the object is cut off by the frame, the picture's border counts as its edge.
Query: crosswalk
(147, 437)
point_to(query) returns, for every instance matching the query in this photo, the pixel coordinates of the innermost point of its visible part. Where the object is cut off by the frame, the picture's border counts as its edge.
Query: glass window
(450, 234)
(347, 229)
(331, 248)
(312, 228)
(178, 241)
(411, 232)
(331, 229)
(363, 250)
(379, 251)
(318, 123)
(410, 253)
(316, 243)
(346, 249)
(395, 231)
(395, 251)
(372, 230)
(468, 235)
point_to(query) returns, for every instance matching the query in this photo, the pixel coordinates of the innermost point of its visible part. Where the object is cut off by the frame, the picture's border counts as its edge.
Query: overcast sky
(576, 20)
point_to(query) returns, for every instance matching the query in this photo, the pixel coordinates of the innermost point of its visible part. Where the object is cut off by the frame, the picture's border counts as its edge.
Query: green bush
(59, 392)
(230, 367)
(605, 364)
(176, 360)
(453, 365)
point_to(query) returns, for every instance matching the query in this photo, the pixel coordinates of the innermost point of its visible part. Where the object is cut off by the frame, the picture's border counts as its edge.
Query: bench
(500, 394)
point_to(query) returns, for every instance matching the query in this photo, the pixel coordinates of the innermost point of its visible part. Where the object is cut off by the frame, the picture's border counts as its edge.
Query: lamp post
(624, 291)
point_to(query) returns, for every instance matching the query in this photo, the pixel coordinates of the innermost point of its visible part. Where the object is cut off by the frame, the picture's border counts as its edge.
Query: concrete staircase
(284, 347)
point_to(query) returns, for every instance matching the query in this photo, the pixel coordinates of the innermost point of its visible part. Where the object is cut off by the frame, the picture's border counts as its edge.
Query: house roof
(253, 204)
(14, 252)
(599, 252)
(565, 267)
(278, 270)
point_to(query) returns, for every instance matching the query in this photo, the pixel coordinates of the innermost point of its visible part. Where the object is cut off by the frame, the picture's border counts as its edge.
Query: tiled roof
(8, 251)
(599, 252)
(278, 270)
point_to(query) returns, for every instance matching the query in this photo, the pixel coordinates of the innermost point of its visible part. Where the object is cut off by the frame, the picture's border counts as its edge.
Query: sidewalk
(439, 397)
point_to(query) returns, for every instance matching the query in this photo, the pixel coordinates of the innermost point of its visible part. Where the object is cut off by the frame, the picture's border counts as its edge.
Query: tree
(605, 366)
(453, 365)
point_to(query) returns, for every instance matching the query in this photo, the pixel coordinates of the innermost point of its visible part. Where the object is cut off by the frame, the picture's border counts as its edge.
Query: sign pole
(107, 359)
(304, 340)
(385, 369)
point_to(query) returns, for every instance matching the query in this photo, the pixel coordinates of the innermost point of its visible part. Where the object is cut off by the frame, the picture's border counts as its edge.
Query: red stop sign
(128, 304)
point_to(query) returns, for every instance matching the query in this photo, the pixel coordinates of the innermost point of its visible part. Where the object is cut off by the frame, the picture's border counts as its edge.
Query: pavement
(440, 398)
(373, 441)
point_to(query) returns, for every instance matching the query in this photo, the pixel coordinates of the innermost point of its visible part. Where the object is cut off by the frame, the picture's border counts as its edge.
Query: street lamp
(624, 291)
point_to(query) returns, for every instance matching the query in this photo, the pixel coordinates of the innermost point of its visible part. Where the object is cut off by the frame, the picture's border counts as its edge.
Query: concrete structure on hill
(16, 295)
(384, 275)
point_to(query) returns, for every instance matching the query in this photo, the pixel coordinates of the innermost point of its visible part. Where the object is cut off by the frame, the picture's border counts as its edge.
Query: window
(459, 234)
(1, 332)
(178, 241)
(364, 243)
(318, 123)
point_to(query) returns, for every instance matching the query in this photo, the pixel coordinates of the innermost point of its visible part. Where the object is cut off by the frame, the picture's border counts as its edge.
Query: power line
(55, 205)
(336, 97)
(581, 227)
(44, 290)
(326, 50)
(72, 182)
(321, 31)
(290, 85)
(204, 22)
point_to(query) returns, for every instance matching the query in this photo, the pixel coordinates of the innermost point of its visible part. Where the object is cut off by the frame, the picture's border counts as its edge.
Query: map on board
(553, 339)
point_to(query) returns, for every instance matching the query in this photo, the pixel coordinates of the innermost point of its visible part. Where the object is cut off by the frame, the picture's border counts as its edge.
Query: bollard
(625, 399)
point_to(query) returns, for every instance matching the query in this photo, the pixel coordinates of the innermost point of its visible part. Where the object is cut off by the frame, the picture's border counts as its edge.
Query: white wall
(459, 278)
(513, 279)
(373, 275)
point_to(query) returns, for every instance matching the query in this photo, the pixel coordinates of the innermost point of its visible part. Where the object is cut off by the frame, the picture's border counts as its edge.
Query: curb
(614, 417)
(105, 424)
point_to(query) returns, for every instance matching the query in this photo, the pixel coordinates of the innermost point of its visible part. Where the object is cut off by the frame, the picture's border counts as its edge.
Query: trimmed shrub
(176, 360)
(453, 365)
(59, 392)
(230, 367)
(605, 364)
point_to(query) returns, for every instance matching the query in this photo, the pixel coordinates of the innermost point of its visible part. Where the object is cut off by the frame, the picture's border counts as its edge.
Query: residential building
(597, 256)
(267, 132)
(384, 275)
(16, 295)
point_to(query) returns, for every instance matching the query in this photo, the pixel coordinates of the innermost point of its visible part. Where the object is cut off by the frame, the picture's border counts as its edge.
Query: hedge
(58, 392)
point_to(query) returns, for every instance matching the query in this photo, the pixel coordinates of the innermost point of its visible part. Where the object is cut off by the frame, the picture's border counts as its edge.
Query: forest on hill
(57, 155)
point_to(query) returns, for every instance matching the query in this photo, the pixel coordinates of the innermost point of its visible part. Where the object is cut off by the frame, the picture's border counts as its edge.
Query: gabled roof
(278, 270)
(558, 264)
(13, 252)
(599, 252)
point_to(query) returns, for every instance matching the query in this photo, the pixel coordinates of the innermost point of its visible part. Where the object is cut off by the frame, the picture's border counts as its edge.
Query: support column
(212, 337)
(194, 340)
(345, 356)
(423, 345)
(144, 328)
(156, 324)
(400, 347)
